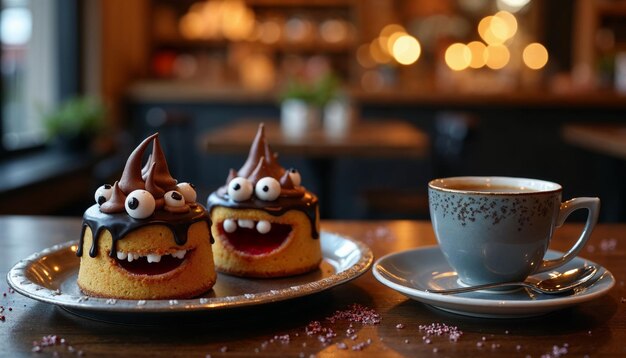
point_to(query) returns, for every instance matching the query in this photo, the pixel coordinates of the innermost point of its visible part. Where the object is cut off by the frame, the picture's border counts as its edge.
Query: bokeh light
(510, 21)
(363, 56)
(378, 54)
(511, 5)
(493, 30)
(458, 56)
(334, 31)
(497, 56)
(535, 56)
(406, 50)
(477, 49)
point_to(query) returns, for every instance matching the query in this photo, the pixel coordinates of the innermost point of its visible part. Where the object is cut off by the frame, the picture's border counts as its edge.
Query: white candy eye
(174, 199)
(188, 191)
(103, 194)
(267, 189)
(240, 189)
(140, 204)
(295, 177)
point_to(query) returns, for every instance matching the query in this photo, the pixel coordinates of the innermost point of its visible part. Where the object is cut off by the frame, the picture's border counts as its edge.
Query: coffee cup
(497, 229)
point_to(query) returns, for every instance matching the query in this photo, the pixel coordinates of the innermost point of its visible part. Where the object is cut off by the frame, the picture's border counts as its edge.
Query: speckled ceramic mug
(497, 229)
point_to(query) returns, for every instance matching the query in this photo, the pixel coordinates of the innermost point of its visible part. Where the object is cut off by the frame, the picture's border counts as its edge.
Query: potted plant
(303, 101)
(75, 124)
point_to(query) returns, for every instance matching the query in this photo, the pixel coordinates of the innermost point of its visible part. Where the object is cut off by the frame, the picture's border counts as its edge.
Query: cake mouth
(151, 264)
(255, 237)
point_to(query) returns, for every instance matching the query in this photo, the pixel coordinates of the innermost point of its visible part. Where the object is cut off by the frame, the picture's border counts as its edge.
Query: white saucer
(413, 272)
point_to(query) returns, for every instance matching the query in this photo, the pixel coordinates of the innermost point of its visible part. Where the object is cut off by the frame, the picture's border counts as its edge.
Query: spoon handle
(480, 287)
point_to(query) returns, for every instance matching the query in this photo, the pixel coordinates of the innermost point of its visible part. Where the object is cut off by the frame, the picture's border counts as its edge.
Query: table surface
(595, 328)
(607, 139)
(367, 138)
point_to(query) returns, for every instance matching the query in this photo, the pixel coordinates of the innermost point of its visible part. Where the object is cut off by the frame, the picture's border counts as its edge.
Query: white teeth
(248, 224)
(131, 256)
(230, 225)
(263, 226)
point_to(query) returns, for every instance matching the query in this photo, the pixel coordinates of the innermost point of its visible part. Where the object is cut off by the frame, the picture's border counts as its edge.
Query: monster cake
(265, 224)
(146, 237)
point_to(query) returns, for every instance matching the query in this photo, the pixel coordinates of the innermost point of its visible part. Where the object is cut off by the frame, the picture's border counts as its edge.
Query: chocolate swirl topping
(262, 162)
(155, 178)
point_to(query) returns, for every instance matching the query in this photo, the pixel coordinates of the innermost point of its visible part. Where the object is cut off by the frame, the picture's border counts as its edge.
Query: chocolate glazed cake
(146, 237)
(265, 224)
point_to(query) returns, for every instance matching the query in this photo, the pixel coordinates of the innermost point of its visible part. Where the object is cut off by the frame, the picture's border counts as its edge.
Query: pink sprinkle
(342, 345)
(399, 326)
(357, 313)
(362, 345)
(406, 341)
(479, 344)
(442, 329)
(518, 347)
(284, 339)
(224, 349)
(427, 341)
(435, 350)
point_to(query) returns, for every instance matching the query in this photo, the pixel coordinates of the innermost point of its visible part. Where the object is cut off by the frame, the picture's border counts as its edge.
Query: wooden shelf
(200, 92)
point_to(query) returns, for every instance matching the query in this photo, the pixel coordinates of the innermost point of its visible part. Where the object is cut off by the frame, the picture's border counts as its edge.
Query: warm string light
(392, 44)
(496, 31)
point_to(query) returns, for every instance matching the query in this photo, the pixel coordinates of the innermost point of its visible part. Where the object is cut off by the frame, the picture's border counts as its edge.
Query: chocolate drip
(306, 204)
(131, 176)
(119, 225)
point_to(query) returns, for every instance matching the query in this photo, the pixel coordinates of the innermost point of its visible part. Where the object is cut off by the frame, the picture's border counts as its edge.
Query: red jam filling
(141, 266)
(251, 242)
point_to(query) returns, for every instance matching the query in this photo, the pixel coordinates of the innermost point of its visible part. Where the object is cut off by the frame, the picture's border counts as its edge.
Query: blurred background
(369, 99)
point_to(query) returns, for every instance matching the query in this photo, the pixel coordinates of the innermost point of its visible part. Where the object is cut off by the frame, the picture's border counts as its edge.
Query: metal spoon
(563, 282)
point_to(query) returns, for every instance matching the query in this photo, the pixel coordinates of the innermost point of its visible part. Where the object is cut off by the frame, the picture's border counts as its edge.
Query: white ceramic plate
(50, 276)
(413, 272)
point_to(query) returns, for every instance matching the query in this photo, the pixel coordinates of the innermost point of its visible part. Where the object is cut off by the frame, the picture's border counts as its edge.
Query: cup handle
(568, 207)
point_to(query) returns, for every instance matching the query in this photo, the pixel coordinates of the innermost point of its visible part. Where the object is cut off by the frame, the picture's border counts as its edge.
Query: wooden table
(376, 138)
(367, 139)
(606, 139)
(595, 328)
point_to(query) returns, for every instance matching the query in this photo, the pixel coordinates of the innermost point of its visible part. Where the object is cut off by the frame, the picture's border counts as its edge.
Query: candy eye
(295, 177)
(103, 194)
(240, 189)
(174, 199)
(267, 189)
(140, 204)
(188, 190)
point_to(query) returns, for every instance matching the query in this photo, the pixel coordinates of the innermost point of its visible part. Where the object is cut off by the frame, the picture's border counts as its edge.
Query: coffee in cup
(498, 229)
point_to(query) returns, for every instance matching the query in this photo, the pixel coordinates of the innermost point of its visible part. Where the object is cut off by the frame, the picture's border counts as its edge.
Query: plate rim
(497, 306)
(21, 284)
